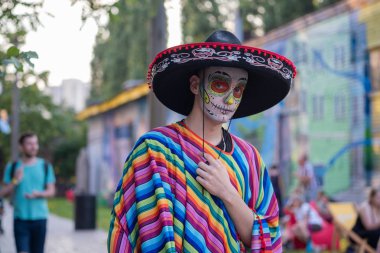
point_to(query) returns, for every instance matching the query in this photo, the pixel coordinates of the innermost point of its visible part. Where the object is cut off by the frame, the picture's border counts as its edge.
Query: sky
(63, 47)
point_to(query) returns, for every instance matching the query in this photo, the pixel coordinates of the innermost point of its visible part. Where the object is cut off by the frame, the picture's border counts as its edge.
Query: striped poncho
(160, 207)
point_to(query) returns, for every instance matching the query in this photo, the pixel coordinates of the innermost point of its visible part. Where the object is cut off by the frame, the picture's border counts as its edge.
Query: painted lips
(224, 110)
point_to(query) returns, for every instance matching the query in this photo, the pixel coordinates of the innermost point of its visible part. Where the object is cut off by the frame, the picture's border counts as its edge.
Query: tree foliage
(60, 135)
(56, 127)
(200, 18)
(261, 16)
(16, 18)
(120, 53)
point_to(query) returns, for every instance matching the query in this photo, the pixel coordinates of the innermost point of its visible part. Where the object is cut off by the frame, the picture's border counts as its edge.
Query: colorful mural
(326, 109)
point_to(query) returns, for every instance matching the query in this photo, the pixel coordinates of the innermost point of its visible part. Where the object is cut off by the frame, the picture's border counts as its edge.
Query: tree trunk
(156, 43)
(15, 119)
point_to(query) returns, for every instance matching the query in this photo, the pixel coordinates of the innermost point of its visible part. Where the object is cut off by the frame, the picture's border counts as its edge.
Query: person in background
(275, 178)
(302, 222)
(1, 215)
(321, 205)
(306, 177)
(4, 191)
(33, 181)
(368, 221)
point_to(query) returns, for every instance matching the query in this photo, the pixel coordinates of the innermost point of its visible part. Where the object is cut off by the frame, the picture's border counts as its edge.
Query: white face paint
(223, 90)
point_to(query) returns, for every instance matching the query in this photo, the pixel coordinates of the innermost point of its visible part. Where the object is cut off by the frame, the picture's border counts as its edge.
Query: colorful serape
(160, 207)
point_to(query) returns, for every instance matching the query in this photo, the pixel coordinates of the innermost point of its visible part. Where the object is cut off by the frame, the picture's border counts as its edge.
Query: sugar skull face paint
(223, 90)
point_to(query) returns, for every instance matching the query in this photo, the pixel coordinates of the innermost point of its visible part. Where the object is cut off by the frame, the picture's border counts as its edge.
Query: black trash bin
(85, 212)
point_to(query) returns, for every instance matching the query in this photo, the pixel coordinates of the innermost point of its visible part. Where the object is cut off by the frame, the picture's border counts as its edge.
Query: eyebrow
(220, 74)
(243, 79)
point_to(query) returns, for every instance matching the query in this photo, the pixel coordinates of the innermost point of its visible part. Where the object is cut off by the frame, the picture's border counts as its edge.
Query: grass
(65, 209)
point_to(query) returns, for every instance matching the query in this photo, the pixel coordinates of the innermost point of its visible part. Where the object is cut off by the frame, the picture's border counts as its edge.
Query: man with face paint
(192, 186)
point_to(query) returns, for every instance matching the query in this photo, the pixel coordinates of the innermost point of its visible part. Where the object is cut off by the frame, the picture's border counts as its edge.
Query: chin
(220, 120)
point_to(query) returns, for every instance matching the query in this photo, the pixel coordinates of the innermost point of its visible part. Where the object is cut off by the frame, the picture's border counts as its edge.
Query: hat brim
(267, 85)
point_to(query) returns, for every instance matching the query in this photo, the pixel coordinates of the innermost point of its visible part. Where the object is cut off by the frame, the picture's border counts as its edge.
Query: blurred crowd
(307, 221)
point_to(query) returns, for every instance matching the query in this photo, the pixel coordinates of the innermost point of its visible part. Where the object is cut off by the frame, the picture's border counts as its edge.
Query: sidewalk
(61, 238)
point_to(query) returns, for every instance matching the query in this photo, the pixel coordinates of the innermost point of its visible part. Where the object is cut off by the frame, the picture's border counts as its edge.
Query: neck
(28, 160)
(212, 129)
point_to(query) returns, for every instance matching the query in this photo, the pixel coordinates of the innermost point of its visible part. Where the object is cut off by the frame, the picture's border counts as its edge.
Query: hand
(34, 195)
(19, 174)
(214, 177)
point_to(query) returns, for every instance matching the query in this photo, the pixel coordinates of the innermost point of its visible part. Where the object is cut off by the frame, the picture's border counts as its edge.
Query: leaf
(17, 63)
(13, 51)
(27, 56)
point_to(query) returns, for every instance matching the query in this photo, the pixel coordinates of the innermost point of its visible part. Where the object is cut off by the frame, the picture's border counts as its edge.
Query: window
(299, 52)
(318, 107)
(339, 107)
(355, 110)
(353, 45)
(339, 57)
(303, 101)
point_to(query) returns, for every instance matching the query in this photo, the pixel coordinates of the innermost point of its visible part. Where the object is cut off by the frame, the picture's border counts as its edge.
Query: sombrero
(269, 75)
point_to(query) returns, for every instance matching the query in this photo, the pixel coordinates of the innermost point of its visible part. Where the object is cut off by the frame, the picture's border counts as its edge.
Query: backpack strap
(13, 169)
(46, 170)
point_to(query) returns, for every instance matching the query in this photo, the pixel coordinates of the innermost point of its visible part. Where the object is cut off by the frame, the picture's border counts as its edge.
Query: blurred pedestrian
(4, 191)
(306, 178)
(367, 224)
(35, 181)
(303, 221)
(321, 205)
(277, 183)
(1, 215)
(192, 186)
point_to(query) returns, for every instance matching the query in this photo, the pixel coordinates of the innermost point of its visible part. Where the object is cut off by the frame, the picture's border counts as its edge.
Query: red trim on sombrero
(222, 46)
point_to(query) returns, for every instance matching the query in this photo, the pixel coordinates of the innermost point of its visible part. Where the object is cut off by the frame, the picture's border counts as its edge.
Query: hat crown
(223, 37)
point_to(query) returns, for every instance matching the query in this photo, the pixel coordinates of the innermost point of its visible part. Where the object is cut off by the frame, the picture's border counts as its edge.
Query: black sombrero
(269, 75)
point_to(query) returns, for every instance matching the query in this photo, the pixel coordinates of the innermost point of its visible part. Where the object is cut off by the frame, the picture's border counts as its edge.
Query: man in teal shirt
(35, 181)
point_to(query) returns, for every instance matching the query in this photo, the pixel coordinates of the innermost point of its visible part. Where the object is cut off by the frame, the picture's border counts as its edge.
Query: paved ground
(62, 238)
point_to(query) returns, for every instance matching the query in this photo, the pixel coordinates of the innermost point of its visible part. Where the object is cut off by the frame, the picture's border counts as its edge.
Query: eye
(219, 86)
(238, 91)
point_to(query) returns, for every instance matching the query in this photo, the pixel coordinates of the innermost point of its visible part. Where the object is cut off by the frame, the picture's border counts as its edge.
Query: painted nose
(229, 99)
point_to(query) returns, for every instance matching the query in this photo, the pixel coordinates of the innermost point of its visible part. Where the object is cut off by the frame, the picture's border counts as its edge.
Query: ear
(194, 84)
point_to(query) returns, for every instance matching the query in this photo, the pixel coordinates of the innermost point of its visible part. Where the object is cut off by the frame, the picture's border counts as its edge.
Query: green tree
(13, 28)
(56, 127)
(58, 131)
(200, 18)
(261, 16)
(120, 53)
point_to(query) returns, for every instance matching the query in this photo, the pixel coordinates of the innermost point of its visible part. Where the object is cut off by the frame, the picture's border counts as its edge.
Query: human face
(376, 199)
(30, 146)
(223, 90)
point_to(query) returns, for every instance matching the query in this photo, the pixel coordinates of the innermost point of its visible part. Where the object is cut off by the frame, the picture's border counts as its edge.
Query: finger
(220, 164)
(201, 181)
(204, 166)
(210, 159)
(202, 173)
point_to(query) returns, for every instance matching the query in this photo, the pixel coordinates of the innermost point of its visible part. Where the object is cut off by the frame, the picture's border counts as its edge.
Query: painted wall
(370, 16)
(325, 109)
(111, 137)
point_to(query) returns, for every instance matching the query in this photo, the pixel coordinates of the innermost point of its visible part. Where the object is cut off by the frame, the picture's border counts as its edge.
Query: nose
(229, 100)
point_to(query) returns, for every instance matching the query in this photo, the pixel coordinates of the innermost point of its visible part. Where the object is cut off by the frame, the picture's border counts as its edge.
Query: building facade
(72, 93)
(327, 112)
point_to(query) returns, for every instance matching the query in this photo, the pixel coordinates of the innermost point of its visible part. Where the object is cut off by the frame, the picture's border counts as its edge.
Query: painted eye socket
(219, 86)
(238, 91)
